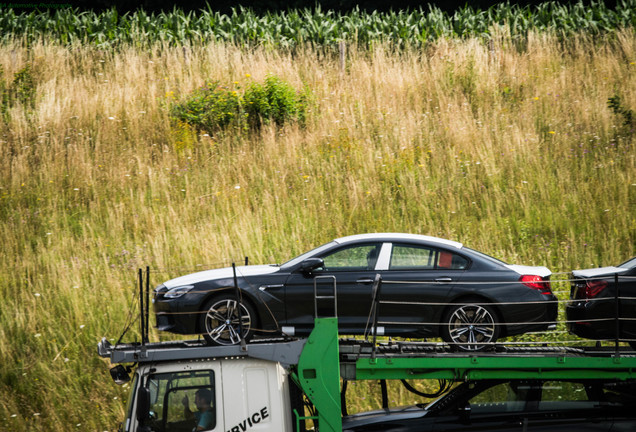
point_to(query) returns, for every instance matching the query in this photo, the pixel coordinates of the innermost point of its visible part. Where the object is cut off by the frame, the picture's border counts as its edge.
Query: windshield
(306, 255)
(629, 264)
(129, 406)
(182, 401)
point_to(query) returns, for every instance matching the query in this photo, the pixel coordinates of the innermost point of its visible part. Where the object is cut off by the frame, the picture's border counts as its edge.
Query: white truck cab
(229, 395)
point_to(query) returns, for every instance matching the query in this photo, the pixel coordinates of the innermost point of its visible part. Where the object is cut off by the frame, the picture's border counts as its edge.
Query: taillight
(537, 283)
(591, 289)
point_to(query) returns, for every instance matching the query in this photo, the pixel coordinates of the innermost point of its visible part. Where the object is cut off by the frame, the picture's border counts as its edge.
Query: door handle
(365, 281)
(444, 280)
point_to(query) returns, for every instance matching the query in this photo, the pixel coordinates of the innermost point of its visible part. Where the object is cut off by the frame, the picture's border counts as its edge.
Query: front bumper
(180, 315)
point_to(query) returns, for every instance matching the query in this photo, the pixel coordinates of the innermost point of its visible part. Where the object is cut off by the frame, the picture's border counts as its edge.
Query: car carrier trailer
(263, 386)
(252, 382)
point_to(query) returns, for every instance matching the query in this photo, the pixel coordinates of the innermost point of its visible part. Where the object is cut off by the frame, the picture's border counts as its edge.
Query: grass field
(510, 149)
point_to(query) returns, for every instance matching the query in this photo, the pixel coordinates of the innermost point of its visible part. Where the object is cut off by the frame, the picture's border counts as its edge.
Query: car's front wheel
(470, 326)
(222, 324)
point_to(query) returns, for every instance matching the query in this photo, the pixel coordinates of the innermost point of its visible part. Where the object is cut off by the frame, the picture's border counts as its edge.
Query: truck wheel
(220, 321)
(470, 326)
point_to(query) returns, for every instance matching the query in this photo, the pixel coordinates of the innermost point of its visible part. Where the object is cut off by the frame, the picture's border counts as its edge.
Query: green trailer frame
(321, 367)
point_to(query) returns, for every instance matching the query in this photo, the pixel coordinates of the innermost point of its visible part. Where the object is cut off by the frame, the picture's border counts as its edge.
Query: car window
(564, 395)
(506, 397)
(629, 264)
(411, 257)
(353, 258)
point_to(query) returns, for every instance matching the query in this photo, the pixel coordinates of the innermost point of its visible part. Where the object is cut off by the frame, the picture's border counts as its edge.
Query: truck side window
(182, 401)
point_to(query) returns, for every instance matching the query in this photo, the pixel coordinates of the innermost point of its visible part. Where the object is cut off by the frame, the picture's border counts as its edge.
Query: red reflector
(536, 283)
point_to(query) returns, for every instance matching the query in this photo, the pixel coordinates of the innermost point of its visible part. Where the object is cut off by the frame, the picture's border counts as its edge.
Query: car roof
(398, 237)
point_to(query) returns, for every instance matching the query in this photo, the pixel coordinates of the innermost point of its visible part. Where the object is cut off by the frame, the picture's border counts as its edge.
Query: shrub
(216, 107)
(21, 91)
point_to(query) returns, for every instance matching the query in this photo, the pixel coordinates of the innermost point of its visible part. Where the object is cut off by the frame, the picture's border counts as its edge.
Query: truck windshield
(181, 401)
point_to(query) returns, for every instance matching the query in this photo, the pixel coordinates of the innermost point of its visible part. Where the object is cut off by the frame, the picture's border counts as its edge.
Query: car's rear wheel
(470, 326)
(221, 324)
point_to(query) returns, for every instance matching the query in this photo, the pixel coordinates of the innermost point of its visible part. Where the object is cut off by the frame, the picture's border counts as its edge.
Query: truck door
(255, 396)
(184, 399)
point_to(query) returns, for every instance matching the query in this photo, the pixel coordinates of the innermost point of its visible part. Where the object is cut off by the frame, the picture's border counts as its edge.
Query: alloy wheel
(221, 322)
(471, 327)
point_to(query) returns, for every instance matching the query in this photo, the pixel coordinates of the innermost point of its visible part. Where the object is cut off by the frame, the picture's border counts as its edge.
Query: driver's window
(354, 258)
(182, 401)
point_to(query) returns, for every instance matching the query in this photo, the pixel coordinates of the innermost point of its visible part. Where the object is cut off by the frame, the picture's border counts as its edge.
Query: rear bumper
(542, 319)
(591, 320)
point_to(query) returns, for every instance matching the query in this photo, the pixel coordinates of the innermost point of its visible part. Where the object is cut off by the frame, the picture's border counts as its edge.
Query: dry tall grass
(511, 150)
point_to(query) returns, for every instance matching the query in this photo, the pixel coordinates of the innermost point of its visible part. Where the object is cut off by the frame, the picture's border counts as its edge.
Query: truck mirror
(143, 404)
(311, 264)
(119, 374)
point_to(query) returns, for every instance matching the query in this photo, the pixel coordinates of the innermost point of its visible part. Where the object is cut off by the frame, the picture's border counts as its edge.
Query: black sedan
(513, 405)
(431, 287)
(597, 310)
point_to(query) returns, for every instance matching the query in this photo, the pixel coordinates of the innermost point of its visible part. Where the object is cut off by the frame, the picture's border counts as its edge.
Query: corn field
(317, 28)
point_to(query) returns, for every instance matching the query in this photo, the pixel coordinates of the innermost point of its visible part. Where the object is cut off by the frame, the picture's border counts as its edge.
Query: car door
(416, 280)
(352, 268)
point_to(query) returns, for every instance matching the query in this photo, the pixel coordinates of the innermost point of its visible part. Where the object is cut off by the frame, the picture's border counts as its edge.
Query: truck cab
(230, 395)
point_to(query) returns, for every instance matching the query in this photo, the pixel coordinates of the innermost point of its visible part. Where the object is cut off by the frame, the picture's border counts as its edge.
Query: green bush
(21, 91)
(216, 107)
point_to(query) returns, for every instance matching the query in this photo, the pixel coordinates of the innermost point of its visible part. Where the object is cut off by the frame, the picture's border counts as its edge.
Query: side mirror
(311, 264)
(119, 374)
(143, 404)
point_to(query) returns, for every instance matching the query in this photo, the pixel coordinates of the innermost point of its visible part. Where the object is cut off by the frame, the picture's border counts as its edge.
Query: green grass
(512, 150)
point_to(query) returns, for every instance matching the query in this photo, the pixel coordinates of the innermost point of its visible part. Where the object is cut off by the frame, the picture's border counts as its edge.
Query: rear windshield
(486, 257)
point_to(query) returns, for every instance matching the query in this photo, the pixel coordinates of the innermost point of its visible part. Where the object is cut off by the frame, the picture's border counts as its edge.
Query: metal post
(238, 307)
(376, 307)
(141, 304)
(617, 320)
(147, 303)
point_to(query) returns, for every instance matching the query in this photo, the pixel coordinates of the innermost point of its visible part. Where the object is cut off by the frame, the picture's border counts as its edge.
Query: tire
(219, 321)
(470, 326)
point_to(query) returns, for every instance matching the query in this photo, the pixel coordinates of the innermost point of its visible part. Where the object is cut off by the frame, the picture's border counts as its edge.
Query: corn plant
(314, 27)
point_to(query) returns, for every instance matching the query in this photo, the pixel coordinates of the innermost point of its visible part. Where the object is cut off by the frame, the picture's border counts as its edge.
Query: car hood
(355, 421)
(223, 273)
(529, 270)
(601, 271)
